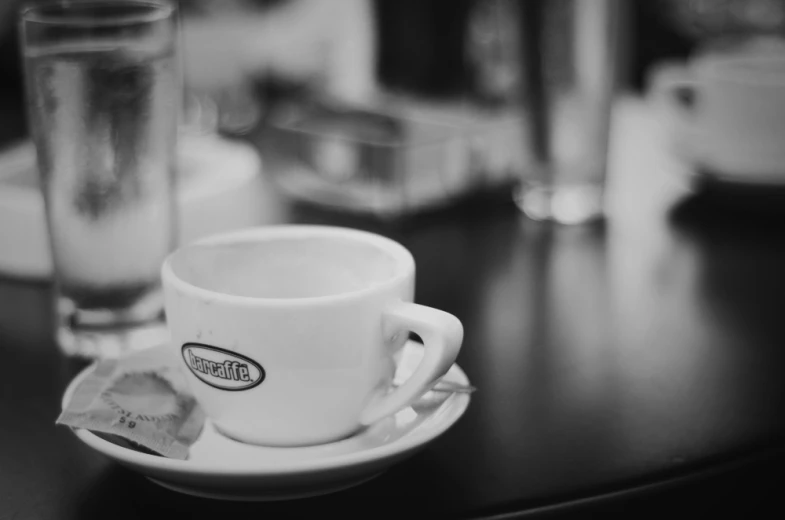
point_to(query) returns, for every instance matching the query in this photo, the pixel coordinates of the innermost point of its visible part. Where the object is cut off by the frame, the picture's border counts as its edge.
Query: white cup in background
(730, 117)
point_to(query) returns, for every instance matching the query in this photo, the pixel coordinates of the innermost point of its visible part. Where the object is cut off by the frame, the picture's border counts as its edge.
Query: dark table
(632, 367)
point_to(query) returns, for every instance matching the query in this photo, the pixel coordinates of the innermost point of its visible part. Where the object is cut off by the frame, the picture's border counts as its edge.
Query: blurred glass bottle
(556, 63)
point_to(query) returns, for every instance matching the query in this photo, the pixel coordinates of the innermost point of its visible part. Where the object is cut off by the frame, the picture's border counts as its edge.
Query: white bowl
(218, 190)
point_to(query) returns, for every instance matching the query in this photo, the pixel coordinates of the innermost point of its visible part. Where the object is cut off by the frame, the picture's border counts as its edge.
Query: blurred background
(425, 90)
(632, 348)
(428, 47)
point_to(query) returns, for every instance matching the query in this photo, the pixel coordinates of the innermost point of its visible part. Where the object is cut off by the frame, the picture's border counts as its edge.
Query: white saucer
(217, 190)
(221, 468)
(694, 167)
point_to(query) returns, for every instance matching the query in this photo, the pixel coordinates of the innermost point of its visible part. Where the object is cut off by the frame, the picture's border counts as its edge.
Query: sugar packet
(141, 398)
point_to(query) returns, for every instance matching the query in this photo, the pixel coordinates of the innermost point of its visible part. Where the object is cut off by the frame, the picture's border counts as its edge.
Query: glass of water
(103, 94)
(568, 52)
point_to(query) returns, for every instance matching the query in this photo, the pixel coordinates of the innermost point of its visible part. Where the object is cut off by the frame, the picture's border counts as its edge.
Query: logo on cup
(221, 368)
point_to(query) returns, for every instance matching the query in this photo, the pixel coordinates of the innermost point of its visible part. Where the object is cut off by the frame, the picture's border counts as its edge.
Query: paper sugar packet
(141, 398)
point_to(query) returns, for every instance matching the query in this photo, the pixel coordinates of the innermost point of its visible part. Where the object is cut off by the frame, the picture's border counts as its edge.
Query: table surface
(608, 359)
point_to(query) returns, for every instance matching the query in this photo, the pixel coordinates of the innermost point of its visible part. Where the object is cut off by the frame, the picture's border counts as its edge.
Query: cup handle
(442, 334)
(674, 90)
(675, 85)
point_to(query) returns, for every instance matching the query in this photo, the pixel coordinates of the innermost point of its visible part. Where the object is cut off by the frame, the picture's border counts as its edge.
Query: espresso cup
(287, 333)
(730, 116)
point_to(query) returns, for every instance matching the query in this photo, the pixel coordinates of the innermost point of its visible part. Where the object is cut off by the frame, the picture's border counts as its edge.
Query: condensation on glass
(103, 98)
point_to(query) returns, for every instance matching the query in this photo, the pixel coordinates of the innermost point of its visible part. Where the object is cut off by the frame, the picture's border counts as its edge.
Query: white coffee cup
(287, 333)
(734, 126)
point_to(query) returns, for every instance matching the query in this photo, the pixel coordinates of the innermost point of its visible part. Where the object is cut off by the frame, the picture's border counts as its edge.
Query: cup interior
(301, 264)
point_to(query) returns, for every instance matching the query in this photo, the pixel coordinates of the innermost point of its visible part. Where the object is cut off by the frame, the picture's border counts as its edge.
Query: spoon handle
(448, 386)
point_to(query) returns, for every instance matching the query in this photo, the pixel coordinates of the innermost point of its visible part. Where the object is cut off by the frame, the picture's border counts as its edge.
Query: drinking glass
(568, 52)
(103, 95)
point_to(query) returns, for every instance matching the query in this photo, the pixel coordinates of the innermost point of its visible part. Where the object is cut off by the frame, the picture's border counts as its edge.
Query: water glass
(568, 52)
(103, 95)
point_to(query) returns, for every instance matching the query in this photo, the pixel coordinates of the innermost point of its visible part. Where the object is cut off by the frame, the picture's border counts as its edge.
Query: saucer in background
(216, 184)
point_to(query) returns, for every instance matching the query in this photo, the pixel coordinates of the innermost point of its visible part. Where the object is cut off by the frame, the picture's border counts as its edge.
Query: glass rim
(159, 10)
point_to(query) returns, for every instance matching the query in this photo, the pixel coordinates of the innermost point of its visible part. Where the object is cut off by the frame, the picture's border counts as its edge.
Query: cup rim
(35, 14)
(707, 68)
(404, 261)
